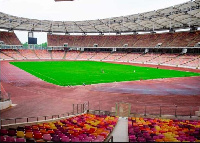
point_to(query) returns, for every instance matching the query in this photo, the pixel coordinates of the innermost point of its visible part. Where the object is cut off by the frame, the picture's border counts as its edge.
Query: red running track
(34, 97)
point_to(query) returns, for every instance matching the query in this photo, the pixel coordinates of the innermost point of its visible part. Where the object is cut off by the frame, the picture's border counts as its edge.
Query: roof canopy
(180, 16)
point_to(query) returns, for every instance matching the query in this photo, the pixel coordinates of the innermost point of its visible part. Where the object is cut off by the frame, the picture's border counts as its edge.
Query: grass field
(66, 73)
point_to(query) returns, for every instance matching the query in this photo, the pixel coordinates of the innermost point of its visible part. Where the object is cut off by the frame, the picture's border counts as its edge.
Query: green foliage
(43, 45)
(25, 45)
(66, 73)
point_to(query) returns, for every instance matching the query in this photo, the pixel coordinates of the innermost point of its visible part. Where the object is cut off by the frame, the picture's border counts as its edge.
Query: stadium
(131, 78)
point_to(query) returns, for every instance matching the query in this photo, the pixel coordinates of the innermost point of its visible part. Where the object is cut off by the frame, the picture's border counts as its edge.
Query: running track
(34, 97)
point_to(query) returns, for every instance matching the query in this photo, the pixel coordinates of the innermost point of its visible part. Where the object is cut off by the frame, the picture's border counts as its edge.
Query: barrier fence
(77, 109)
(160, 110)
(135, 109)
(138, 109)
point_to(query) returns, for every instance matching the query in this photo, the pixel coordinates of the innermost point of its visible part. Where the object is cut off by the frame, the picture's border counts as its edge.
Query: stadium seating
(28, 53)
(130, 57)
(177, 59)
(9, 38)
(72, 55)
(177, 39)
(13, 54)
(5, 57)
(100, 56)
(85, 55)
(166, 57)
(80, 128)
(42, 54)
(171, 59)
(163, 130)
(143, 41)
(58, 54)
(114, 56)
(190, 60)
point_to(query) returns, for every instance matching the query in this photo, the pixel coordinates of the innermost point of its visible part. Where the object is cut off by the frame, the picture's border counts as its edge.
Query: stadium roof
(180, 16)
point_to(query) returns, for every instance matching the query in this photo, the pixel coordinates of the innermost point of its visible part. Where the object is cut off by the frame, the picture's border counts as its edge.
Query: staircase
(171, 59)
(78, 55)
(137, 57)
(92, 56)
(36, 54)
(106, 57)
(64, 55)
(8, 55)
(121, 57)
(120, 132)
(50, 52)
(21, 54)
(154, 58)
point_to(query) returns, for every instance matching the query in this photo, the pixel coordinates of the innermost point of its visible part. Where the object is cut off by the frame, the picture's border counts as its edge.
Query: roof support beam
(137, 24)
(78, 27)
(123, 25)
(95, 27)
(65, 27)
(107, 25)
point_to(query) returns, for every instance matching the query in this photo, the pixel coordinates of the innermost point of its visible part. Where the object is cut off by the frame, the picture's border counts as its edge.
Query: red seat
(37, 136)
(3, 132)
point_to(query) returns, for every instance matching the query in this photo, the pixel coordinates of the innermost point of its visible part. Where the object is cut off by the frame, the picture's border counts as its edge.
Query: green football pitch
(73, 73)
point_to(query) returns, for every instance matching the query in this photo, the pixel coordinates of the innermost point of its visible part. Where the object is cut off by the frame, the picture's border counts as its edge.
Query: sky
(77, 10)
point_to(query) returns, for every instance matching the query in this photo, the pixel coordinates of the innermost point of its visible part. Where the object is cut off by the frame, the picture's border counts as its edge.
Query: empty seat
(65, 139)
(47, 137)
(29, 135)
(10, 139)
(3, 132)
(20, 140)
(20, 134)
(2, 139)
(11, 132)
(37, 135)
(56, 138)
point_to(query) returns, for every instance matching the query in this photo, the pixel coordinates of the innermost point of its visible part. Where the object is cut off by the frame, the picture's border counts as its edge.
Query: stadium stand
(58, 54)
(170, 59)
(114, 56)
(85, 55)
(43, 54)
(163, 130)
(13, 54)
(130, 57)
(146, 58)
(28, 53)
(72, 55)
(9, 38)
(100, 56)
(178, 39)
(80, 128)
(4, 57)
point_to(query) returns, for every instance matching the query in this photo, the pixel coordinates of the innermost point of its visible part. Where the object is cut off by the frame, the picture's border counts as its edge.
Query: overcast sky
(78, 10)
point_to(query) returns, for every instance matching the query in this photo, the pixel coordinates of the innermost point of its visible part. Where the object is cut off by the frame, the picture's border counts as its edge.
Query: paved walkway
(120, 133)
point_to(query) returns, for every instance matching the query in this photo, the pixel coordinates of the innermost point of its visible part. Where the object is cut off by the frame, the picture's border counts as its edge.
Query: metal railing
(84, 108)
(32, 119)
(161, 110)
(109, 139)
(154, 110)
(80, 108)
